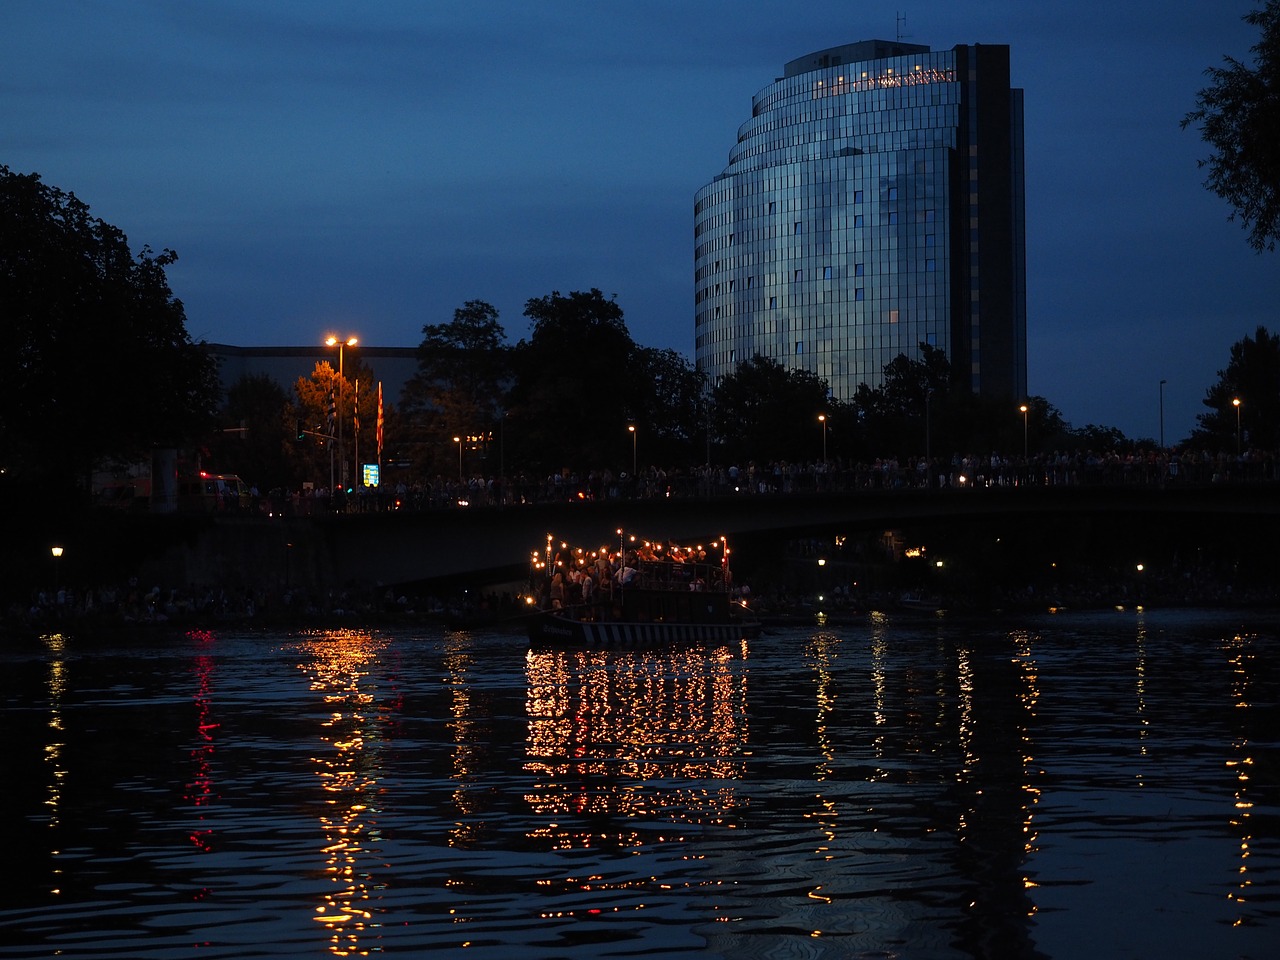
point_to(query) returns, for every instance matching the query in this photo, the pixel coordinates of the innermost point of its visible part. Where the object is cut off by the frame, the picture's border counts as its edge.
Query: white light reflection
(55, 744)
(1240, 656)
(822, 651)
(1140, 690)
(1030, 696)
(338, 662)
(469, 733)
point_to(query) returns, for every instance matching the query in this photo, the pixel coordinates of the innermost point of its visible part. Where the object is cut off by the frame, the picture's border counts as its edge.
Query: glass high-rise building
(873, 202)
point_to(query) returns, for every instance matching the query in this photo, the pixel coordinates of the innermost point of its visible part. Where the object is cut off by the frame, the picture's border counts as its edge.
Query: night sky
(366, 168)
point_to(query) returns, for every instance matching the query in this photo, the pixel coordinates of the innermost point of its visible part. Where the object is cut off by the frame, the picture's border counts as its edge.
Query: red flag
(379, 420)
(356, 411)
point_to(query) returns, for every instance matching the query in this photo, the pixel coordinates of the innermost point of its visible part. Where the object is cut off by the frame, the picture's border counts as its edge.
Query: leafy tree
(458, 389)
(668, 399)
(577, 385)
(764, 411)
(255, 440)
(1239, 118)
(906, 415)
(321, 445)
(1252, 376)
(98, 364)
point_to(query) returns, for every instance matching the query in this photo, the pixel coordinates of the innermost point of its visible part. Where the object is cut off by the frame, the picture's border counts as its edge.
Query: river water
(1079, 785)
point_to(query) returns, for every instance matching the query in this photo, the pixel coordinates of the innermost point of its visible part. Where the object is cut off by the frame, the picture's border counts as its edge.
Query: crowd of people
(1060, 468)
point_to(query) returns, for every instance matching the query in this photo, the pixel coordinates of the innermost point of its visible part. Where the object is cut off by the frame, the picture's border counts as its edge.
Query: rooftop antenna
(900, 20)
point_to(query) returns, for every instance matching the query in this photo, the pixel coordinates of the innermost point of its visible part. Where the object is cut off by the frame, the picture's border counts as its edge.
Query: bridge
(492, 544)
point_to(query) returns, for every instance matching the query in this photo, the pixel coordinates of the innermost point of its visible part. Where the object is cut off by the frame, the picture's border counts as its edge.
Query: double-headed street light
(332, 341)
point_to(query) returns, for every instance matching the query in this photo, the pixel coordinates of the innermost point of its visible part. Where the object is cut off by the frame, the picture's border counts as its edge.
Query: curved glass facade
(874, 186)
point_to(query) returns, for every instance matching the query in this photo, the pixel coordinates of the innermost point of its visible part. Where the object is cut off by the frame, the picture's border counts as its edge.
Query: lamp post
(822, 419)
(632, 429)
(57, 555)
(332, 341)
(1024, 410)
(1236, 403)
(1162, 383)
(458, 441)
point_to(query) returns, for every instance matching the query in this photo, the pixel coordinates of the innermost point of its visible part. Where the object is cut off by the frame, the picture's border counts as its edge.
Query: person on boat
(557, 591)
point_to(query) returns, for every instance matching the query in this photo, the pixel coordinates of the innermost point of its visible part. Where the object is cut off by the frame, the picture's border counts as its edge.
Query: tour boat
(643, 594)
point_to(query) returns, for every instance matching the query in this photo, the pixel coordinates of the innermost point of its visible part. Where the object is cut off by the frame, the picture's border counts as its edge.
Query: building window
(773, 303)
(826, 273)
(931, 265)
(749, 279)
(859, 293)
(859, 269)
(893, 316)
(857, 219)
(929, 240)
(893, 216)
(928, 216)
(893, 193)
(799, 228)
(799, 276)
(799, 347)
(931, 339)
(857, 196)
(771, 206)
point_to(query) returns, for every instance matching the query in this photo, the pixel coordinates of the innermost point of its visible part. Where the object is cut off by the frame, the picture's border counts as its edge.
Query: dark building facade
(872, 202)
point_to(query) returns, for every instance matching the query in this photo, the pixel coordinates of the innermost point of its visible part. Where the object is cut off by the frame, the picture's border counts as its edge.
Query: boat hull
(549, 629)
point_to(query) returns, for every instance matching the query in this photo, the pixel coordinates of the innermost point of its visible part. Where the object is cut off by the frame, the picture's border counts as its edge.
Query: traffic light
(302, 434)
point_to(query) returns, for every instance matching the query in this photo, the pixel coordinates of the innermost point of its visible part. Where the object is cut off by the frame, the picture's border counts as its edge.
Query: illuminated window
(799, 347)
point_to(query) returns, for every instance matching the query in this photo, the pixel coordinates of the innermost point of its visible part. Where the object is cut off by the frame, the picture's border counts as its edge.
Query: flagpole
(356, 431)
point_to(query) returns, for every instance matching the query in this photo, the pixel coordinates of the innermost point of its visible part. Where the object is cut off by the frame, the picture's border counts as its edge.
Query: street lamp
(1236, 403)
(632, 429)
(458, 441)
(57, 555)
(822, 418)
(1024, 409)
(1162, 383)
(332, 341)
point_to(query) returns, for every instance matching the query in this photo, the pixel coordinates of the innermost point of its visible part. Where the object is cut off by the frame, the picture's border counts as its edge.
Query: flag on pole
(333, 413)
(355, 413)
(379, 421)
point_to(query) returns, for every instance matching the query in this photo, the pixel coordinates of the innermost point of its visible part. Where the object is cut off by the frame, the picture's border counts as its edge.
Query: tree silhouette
(98, 364)
(1239, 118)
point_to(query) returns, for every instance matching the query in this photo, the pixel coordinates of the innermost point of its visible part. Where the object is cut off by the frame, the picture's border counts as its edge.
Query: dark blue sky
(368, 167)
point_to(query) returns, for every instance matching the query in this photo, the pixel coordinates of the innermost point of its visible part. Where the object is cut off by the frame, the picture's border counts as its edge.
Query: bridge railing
(783, 478)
